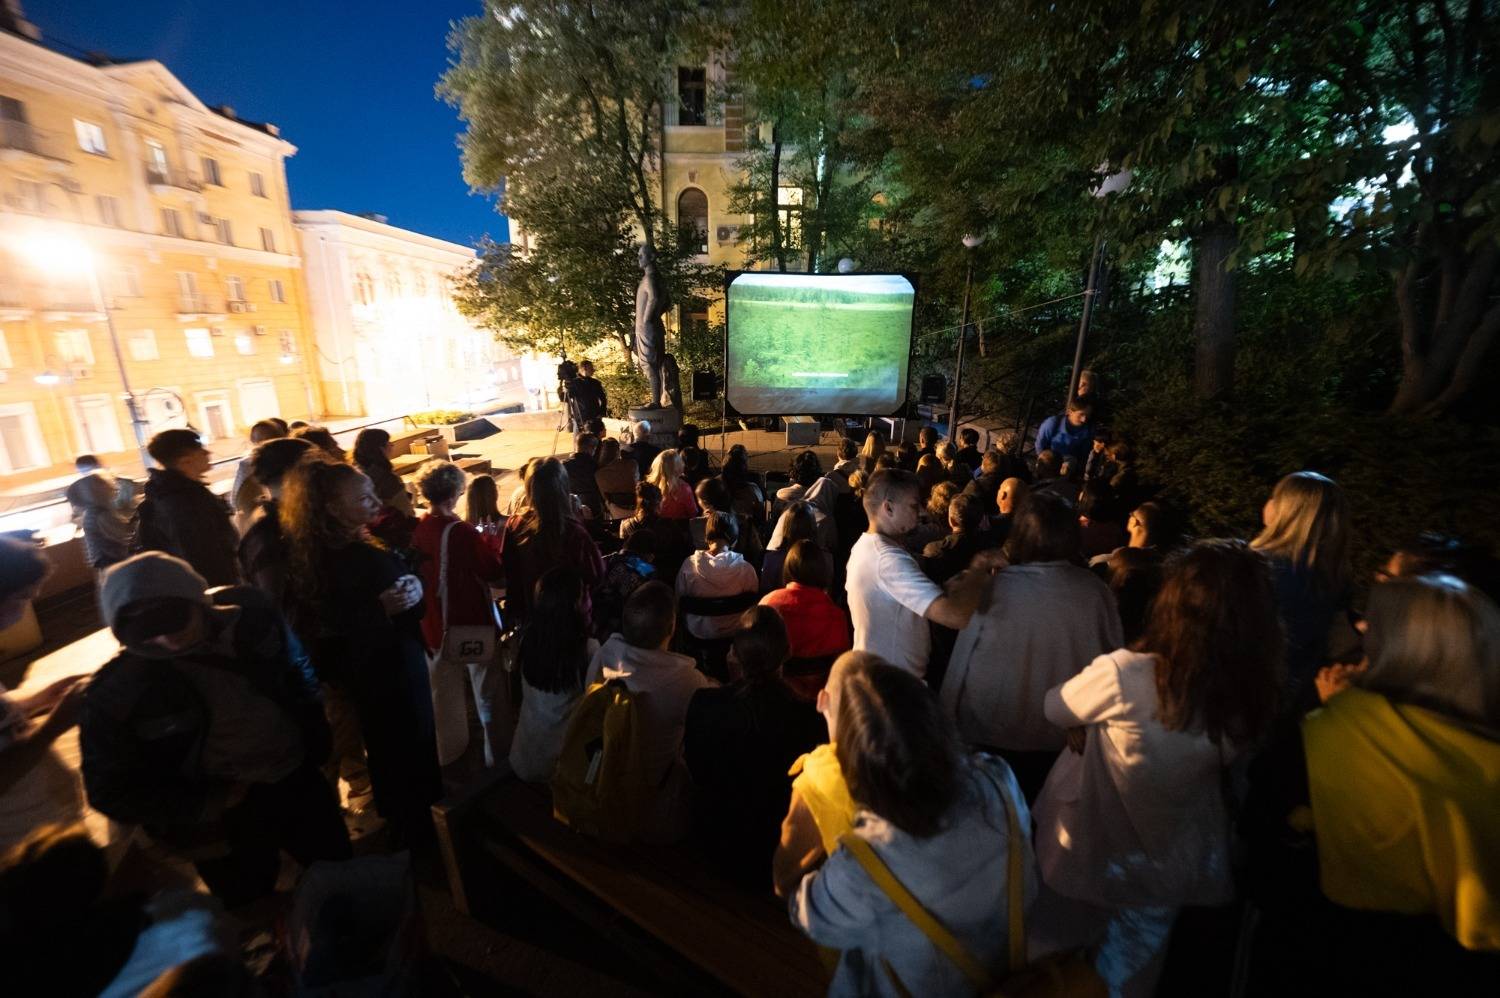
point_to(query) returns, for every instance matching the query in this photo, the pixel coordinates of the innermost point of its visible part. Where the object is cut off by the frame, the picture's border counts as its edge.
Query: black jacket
(145, 723)
(183, 518)
(587, 395)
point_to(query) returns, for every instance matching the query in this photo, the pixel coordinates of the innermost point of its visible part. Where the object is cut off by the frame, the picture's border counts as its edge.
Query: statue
(672, 382)
(651, 302)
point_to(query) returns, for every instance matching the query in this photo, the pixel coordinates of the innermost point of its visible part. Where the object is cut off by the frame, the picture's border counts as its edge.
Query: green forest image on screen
(818, 343)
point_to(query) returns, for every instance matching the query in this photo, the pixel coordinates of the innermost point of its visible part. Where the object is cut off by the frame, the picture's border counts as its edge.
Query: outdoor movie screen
(818, 343)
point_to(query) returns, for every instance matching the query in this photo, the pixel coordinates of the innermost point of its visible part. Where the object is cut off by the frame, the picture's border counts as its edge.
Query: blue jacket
(1064, 440)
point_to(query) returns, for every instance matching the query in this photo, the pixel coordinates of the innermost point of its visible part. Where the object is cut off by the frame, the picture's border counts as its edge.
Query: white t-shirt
(888, 598)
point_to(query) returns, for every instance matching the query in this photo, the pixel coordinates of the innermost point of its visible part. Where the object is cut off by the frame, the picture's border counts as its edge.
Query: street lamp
(1111, 184)
(971, 242)
(57, 255)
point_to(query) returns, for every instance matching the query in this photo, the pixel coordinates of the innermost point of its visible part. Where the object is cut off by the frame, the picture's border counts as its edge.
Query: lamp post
(64, 256)
(970, 242)
(1111, 184)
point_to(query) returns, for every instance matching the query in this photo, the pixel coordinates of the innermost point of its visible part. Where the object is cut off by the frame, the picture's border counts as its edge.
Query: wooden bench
(663, 905)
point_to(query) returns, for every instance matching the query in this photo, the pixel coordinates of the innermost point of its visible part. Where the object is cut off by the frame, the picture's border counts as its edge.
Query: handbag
(463, 643)
(1069, 974)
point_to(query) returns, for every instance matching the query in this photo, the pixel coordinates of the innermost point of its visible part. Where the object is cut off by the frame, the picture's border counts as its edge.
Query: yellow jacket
(1406, 811)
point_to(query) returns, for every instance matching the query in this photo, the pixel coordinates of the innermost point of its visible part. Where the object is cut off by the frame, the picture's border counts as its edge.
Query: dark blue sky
(350, 84)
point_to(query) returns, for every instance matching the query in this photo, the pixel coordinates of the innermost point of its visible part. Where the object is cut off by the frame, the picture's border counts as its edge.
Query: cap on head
(148, 576)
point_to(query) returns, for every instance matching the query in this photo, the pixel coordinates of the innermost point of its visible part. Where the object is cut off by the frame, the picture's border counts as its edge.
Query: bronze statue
(651, 302)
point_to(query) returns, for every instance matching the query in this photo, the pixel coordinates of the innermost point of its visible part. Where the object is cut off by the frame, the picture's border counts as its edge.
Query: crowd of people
(935, 695)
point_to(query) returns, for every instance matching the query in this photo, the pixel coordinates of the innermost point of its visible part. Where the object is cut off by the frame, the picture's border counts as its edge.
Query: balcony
(168, 180)
(19, 141)
(198, 306)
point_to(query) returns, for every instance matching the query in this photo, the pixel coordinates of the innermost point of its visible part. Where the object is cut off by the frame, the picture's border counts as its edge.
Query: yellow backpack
(600, 787)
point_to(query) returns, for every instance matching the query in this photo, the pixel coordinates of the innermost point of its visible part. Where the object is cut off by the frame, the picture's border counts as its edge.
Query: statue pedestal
(664, 420)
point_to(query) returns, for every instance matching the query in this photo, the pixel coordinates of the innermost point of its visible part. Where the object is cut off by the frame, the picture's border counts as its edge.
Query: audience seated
(677, 502)
(816, 626)
(797, 522)
(718, 571)
(582, 466)
(943, 559)
(740, 741)
(639, 656)
(968, 450)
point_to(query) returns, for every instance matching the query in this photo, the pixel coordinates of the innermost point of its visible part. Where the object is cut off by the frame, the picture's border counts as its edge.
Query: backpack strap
(934, 930)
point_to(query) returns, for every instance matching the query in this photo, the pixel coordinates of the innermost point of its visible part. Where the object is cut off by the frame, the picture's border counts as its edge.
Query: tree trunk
(778, 244)
(1213, 326)
(1446, 332)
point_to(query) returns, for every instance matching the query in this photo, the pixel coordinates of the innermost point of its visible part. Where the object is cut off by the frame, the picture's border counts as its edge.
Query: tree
(794, 71)
(562, 105)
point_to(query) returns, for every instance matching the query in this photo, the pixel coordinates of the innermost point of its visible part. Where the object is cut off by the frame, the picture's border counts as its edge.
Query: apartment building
(389, 338)
(145, 241)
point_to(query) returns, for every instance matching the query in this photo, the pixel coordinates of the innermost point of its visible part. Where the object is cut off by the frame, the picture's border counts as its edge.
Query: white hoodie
(724, 574)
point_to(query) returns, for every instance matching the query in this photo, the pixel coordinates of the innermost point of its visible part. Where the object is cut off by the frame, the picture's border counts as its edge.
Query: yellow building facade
(126, 202)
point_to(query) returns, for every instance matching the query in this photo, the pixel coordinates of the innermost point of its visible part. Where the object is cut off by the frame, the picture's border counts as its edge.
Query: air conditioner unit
(71, 186)
(260, 330)
(728, 233)
(216, 331)
(239, 306)
(81, 373)
(205, 218)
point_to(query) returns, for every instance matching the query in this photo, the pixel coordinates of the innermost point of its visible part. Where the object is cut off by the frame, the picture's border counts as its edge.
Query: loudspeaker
(705, 386)
(934, 389)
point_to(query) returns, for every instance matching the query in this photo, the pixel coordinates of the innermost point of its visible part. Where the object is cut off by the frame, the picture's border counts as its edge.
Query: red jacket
(473, 563)
(814, 623)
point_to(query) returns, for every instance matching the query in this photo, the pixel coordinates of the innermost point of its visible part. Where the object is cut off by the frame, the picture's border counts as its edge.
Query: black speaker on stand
(705, 386)
(934, 389)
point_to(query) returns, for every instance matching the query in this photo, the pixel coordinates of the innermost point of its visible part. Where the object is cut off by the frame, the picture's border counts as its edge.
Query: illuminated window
(234, 287)
(278, 291)
(142, 345)
(73, 347)
(21, 446)
(200, 342)
(127, 282)
(789, 212)
(90, 137)
(244, 344)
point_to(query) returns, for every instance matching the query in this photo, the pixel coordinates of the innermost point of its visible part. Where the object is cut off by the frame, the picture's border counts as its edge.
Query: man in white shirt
(890, 597)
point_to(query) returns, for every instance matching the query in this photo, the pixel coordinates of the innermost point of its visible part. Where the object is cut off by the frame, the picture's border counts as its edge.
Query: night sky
(350, 84)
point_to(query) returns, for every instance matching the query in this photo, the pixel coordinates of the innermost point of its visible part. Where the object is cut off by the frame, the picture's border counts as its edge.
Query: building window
(127, 282)
(268, 240)
(200, 342)
(187, 292)
(244, 344)
(211, 172)
(419, 284)
(692, 95)
(257, 185)
(73, 347)
(171, 222)
(278, 292)
(288, 345)
(789, 212)
(393, 285)
(157, 171)
(5, 361)
(234, 286)
(90, 137)
(692, 220)
(109, 210)
(97, 428)
(21, 447)
(142, 345)
(364, 289)
(34, 197)
(223, 232)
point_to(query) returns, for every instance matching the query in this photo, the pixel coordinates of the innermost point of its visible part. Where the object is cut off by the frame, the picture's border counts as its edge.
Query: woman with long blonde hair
(1306, 538)
(677, 500)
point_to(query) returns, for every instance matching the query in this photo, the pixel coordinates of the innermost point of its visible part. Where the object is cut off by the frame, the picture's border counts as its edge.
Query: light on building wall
(58, 255)
(48, 378)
